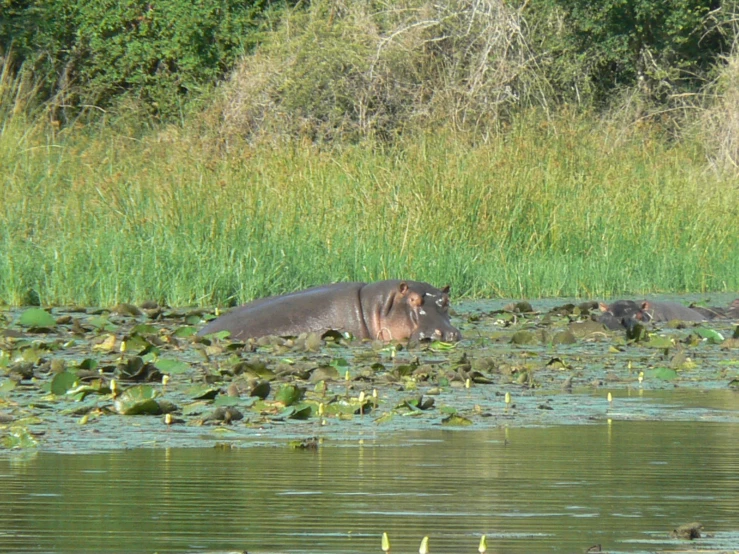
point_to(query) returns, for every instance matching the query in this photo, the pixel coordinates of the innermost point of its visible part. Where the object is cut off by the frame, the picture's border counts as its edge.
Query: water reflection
(623, 485)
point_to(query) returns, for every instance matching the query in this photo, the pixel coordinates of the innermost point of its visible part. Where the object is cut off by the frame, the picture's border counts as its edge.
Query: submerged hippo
(622, 312)
(386, 310)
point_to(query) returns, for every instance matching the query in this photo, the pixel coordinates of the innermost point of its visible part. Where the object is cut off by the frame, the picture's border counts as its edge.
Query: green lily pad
(184, 332)
(37, 318)
(62, 382)
(339, 363)
(324, 373)
(192, 319)
(658, 342)
(144, 329)
(102, 323)
(19, 437)
(662, 373)
(224, 400)
(196, 408)
(202, 392)
(523, 337)
(89, 363)
(288, 394)
(7, 385)
(456, 420)
(296, 412)
(260, 389)
(711, 336)
(384, 418)
(439, 346)
(172, 366)
(139, 399)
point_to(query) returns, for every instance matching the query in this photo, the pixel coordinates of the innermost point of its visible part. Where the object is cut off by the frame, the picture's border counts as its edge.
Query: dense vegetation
(190, 152)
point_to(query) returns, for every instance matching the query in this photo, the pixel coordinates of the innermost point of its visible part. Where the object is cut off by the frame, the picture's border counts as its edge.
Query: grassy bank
(565, 207)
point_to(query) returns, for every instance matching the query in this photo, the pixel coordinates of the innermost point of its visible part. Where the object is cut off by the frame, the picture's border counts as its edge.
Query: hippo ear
(646, 305)
(446, 289)
(403, 287)
(603, 306)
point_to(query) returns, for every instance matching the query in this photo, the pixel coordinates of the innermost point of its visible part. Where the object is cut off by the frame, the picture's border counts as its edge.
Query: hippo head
(624, 314)
(408, 310)
(627, 309)
(428, 309)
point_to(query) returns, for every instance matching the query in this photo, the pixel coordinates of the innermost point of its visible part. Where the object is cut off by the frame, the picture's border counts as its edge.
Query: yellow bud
(385, 543)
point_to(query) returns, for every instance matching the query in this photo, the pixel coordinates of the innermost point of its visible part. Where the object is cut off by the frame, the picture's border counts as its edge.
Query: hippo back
(318, 309)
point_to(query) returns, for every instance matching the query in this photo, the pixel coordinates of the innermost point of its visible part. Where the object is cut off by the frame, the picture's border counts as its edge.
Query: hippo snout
(447, 335)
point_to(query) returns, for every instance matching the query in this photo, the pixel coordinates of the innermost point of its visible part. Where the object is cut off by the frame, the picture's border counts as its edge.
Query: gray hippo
(622, 312)
(386, 310)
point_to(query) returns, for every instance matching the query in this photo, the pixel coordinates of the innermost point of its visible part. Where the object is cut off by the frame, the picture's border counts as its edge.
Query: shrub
(351, 68)
(160, 54)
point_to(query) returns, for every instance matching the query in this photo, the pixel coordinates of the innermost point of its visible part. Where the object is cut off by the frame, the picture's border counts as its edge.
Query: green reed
(567, 207)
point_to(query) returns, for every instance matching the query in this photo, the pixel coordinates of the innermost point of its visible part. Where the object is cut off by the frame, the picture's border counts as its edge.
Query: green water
(562, 489)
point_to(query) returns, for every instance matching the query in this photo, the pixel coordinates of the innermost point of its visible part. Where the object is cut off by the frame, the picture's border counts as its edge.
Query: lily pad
(7, 385)
(37, 318)
(658, 342)
(296, 412)
(224, 400)
(184, 332)
(139, 399)
(711, 336)
(456, 420)
(662, 373)
(19, 437)
(172, 366)
(202, 392)
(102, 324)
(288, 395)
(144, 329)
(62, 382)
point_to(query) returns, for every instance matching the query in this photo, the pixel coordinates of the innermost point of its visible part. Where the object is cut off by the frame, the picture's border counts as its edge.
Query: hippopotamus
(621, 312)
(386, 310)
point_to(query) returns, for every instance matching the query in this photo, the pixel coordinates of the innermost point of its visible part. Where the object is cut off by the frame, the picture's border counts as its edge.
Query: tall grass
(570, 206)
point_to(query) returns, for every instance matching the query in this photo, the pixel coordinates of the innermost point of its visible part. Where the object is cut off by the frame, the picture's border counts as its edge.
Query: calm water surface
(623, 484)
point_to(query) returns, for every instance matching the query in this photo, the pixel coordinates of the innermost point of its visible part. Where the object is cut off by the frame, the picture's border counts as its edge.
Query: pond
(539, 430)
(621, 484)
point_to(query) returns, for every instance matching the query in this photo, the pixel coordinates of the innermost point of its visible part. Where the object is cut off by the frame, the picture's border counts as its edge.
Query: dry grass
(354, 69)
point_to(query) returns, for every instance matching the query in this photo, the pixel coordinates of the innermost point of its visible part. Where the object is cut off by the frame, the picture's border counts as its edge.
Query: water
(623, 484)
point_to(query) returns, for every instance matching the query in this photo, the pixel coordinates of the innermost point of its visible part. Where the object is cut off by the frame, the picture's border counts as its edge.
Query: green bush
(161, 54)
(660, 46)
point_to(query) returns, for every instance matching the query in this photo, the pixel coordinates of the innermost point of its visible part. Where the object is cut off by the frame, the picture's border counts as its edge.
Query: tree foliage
(160, 53)
(661, 46)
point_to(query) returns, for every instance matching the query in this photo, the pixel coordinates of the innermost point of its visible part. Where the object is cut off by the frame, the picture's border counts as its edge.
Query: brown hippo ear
(646, 305)
(403, 287)
(602, 306)
(446, 289)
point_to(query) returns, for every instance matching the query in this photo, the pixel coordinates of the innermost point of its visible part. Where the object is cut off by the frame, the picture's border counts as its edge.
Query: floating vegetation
(63, 370)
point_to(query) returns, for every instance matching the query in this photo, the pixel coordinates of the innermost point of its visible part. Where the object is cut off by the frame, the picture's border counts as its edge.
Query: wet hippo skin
(385, 310)
(620, 312)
